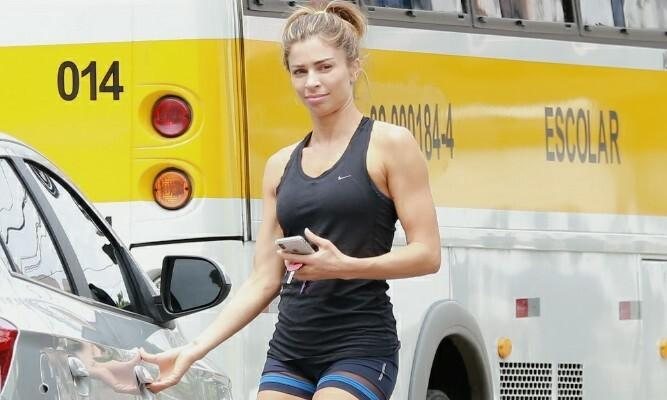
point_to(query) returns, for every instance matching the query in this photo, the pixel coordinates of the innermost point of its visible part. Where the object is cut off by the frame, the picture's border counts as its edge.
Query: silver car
(74, 306)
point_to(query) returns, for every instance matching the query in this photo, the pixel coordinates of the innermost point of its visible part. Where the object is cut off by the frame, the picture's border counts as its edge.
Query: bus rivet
(504, 347)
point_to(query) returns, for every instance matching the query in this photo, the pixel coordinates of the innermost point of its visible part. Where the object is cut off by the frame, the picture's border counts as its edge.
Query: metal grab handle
(81, 376)
(144, 378)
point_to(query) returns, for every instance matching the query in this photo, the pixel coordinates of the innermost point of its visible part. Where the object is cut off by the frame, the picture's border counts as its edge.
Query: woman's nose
(312, 80)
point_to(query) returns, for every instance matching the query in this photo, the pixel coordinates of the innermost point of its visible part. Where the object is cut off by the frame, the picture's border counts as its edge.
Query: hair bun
(350, 13)
(339, 22)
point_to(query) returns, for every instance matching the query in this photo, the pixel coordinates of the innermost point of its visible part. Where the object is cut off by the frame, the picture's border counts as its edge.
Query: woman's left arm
(407, 181)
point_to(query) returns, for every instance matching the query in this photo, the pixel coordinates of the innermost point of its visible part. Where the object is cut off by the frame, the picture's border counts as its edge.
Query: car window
(96, 253)
(25, 236)
(4, 261)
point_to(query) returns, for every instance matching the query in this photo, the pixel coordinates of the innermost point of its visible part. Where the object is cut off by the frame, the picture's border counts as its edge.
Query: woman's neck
(337, 125)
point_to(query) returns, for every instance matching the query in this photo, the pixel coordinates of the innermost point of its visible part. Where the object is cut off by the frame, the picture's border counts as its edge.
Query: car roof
(10, 145)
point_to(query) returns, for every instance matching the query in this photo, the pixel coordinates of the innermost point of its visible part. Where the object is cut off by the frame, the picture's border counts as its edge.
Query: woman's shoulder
(282, 156)
(388, 135)
(275, 165)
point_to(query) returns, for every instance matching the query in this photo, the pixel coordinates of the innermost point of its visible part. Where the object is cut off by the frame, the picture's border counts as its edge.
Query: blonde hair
(339, 22)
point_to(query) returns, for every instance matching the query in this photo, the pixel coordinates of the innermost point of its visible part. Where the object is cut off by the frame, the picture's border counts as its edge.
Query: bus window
(645, 14)
(530, 16)
(440, 12)
(430, 5)
(534, 10)
(642, 20)
(486, 8)
(602, 13)
(391, 3)
(447, 5)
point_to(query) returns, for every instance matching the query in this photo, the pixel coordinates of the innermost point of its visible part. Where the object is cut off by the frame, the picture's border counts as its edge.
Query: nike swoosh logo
(340, 178)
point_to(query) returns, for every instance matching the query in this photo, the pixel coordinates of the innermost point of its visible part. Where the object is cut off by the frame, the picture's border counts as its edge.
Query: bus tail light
(171, 116)
(8, 334)
(172, 189)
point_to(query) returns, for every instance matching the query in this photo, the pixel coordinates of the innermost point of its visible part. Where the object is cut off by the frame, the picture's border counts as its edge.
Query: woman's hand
(119, 375)
(173, 364)
(326, 263)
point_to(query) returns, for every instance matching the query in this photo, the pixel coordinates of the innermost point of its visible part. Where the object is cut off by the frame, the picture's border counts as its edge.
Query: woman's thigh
(370, 378)
(282, 381)
(273, 395)
(332, 393)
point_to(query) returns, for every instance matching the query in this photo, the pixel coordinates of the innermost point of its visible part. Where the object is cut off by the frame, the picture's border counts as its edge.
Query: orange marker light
(504, 347)
(662, 348)
(172, 189)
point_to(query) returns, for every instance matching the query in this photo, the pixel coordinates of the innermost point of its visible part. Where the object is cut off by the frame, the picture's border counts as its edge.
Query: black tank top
(336, 318)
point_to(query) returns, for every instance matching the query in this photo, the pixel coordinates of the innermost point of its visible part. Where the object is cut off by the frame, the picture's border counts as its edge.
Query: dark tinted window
(24, 233)
(95, 251)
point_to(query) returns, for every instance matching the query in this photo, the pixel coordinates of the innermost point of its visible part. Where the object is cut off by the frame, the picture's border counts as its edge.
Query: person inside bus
(533, 10)
(486, 8)
(343, 187)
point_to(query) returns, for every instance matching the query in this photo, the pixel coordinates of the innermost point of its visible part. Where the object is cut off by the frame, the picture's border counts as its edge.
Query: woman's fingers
(163, 383)
(313, 238)
(172, 368)
(291, 258)
(166, 379)
(148, 357)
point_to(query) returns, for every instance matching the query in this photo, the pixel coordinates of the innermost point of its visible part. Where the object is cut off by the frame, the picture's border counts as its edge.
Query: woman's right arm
(254, 295)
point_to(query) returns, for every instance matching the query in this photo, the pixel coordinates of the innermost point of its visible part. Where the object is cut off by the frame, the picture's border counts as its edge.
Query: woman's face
(321, 75)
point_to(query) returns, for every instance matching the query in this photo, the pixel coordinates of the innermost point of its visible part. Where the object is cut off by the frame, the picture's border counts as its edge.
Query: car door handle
(81, 376)
(77, 368)
(144, 378)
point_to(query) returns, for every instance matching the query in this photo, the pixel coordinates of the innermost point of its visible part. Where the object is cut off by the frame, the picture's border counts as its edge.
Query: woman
(343, 187)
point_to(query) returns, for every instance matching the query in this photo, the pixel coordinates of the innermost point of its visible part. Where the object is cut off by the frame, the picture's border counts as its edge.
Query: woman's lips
(315, 99)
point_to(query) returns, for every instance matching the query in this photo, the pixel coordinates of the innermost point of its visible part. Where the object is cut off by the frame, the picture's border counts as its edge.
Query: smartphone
(295, 245)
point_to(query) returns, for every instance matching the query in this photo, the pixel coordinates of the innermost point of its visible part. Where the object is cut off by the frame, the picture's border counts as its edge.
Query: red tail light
(8, 333)
(171, 116)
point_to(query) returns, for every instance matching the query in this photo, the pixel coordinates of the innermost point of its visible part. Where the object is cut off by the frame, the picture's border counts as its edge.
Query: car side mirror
(190, 284)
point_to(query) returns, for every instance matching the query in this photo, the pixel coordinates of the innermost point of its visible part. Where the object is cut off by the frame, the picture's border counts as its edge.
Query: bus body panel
(542, 172)
(545, 158)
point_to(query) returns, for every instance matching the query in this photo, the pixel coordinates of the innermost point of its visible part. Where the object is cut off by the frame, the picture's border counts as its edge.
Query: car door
(67, 348)
(89, 301)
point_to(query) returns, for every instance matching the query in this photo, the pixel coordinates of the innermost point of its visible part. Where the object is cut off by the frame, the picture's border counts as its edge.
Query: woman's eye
(298, 71)
(326, 67)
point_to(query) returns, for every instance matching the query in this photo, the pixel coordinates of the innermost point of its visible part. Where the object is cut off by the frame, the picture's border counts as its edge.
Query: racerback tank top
(336, 318)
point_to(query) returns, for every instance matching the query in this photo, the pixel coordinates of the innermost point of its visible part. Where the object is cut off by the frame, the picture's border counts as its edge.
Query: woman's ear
(355, 69)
